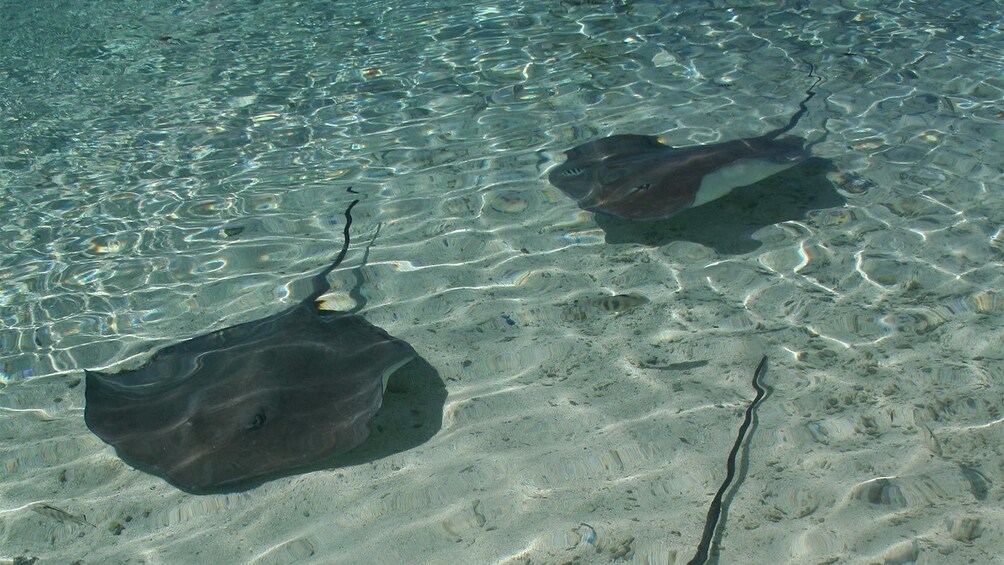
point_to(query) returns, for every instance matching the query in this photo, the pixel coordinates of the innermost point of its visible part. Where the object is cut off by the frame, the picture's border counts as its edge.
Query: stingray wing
(256, 399)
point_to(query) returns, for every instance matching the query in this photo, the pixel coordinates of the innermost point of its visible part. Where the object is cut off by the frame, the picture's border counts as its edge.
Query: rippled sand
(168, 168)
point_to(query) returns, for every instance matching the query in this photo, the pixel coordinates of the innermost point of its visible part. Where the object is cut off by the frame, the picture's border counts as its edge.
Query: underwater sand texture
(167, 169)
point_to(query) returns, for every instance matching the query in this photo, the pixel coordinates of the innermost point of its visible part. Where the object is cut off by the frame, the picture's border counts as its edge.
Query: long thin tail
(715, 510)
(802, 108)
(356, 294)
(321, 284)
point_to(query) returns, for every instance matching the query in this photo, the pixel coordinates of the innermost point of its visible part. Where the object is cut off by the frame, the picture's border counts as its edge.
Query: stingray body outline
(637, 177)
(257, 399)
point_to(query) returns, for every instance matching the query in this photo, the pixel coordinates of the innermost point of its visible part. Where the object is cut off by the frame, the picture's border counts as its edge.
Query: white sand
(574, 430)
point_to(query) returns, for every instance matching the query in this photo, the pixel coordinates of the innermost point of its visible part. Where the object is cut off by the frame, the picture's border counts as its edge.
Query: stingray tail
(321, 284)
(356, 293)
(802, 107)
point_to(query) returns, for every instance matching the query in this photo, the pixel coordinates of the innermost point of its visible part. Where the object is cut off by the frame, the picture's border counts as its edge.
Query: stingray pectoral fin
(742, 172)
(391, 369)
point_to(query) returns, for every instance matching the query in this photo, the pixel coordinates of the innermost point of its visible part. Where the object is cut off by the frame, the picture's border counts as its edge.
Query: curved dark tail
(715, 511)
(321, 284)
(802, 108)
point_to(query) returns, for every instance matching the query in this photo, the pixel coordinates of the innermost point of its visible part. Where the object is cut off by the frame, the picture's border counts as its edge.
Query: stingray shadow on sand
(300, 390)
(644, 191)
(727, 224)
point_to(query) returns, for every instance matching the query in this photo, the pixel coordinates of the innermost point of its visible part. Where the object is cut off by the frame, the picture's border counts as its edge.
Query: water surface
(170, 167)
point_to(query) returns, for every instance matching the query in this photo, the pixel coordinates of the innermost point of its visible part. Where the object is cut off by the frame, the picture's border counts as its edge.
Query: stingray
(637, 177)
(259, 399)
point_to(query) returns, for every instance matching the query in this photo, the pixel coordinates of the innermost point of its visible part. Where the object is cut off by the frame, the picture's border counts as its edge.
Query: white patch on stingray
(743, 172)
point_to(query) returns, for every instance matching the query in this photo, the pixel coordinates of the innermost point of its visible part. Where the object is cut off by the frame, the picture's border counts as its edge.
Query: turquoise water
(175, 167)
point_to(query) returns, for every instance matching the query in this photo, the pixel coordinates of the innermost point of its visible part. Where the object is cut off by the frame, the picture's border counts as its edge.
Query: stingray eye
(257, 422)
(571, 172)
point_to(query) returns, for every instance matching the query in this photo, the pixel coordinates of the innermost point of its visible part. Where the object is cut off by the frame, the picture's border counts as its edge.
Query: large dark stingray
(252, 400)
(636, 177)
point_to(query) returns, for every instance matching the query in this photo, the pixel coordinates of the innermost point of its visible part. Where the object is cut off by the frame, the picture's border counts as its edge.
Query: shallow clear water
(172, 167)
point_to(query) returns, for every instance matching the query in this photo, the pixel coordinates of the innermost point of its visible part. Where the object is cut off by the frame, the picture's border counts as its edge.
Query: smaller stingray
(253, 400)
(636, 177)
